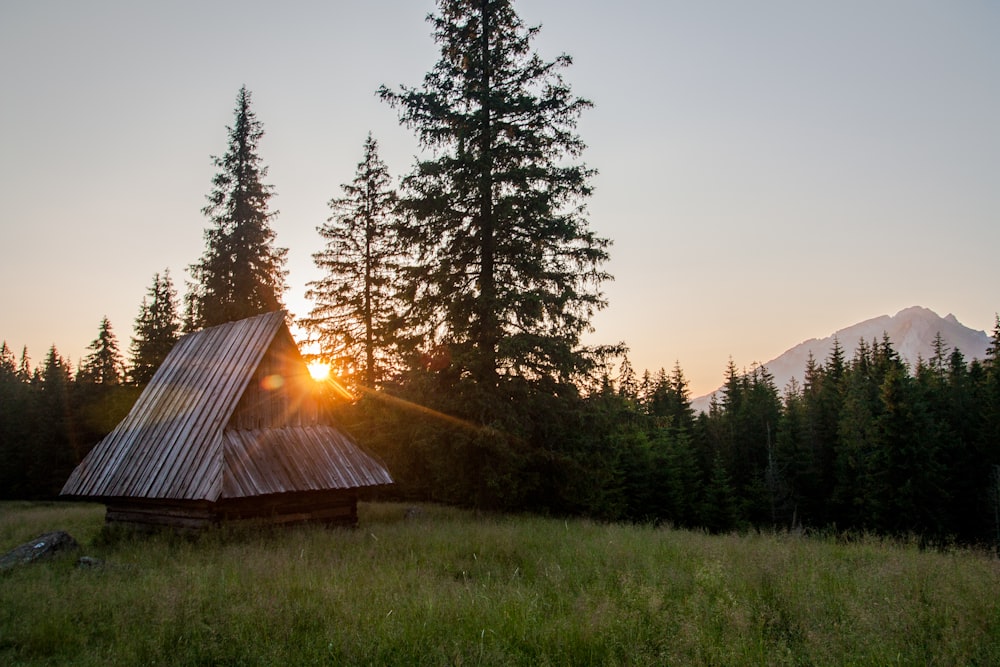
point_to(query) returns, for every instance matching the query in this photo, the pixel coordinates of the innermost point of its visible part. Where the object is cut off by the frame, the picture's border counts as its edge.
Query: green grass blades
(442, 586)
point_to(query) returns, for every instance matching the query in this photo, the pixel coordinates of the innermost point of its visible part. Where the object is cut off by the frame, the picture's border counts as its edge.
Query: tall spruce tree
(24, 366)
(823, 409)
(990, 431)
(16, 429)
(8, 364)
(242, 272)
(508, 273)
(668, 400)
(104, 364)
(790, 472)
(991, 366)
(157, 328)
(55, 448)
(356, 307)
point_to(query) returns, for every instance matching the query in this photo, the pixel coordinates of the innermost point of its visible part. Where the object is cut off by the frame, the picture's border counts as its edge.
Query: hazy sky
(769, 171)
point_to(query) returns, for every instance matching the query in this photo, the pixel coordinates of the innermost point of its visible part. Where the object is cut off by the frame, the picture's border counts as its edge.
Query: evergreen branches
(241, 272)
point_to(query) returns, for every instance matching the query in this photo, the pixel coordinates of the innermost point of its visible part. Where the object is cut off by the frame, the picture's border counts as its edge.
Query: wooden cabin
(229, 428)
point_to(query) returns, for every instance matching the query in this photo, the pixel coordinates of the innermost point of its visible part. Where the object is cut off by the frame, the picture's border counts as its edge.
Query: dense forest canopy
(454, 306)
(864, 443)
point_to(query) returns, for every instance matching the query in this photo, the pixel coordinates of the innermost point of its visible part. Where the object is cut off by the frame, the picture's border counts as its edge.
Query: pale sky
(768, 171)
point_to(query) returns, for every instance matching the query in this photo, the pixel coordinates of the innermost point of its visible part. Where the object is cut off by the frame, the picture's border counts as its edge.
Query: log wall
(331, 508)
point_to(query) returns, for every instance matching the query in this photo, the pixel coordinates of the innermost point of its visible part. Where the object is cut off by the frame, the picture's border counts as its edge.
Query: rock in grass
(89, 563)
(40, 548)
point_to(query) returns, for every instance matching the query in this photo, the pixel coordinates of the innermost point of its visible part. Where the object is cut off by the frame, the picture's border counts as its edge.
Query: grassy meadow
(448, 587)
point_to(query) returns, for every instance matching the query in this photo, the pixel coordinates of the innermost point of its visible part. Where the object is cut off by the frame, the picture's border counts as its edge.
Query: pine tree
(909, 494)
(55, 448)
(953, 401)
(667, 399)
(157, 329)
(14, 429)
(989, 438)
(734, 388)
(628, 384)
(823, 398)
(991, 367)
(791, 474)
(680, 399)
(24, 366)
(356, 310)
(241, 272)
(508, 273)
(104, 364)
(756, 473)
(675, 477)
(993, 351)
(852, 497)
(719, 513)
(939, 360)
(8, 364)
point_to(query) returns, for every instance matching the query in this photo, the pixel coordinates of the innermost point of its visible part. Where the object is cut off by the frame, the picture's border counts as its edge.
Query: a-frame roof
(174, 443)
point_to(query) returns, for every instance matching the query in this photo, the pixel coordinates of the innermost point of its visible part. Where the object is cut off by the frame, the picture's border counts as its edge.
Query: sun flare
(319, 371)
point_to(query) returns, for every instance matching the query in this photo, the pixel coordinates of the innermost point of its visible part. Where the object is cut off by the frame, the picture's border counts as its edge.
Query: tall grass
(450, 587)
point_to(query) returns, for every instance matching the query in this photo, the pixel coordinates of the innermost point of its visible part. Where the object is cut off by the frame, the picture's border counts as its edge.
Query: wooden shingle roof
(181, 440)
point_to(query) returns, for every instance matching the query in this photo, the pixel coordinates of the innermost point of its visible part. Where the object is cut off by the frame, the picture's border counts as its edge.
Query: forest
(451, 312)
(864, 445)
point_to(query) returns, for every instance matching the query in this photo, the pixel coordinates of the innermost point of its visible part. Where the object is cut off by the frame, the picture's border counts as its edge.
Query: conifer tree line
(453, 305)
(865, 443)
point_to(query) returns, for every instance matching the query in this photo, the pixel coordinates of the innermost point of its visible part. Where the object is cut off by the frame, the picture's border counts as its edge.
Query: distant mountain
(911, 331)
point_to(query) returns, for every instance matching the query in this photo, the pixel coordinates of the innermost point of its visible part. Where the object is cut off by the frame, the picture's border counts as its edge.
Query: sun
(319, 371)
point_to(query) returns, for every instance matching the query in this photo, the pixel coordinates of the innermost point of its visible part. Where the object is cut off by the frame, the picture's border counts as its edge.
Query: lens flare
(319, 371)
(272, 382)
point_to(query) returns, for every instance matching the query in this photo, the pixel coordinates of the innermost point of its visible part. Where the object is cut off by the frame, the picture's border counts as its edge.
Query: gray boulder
(40, 548)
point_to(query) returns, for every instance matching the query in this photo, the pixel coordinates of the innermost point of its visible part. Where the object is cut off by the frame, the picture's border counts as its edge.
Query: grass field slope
(440, 586)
